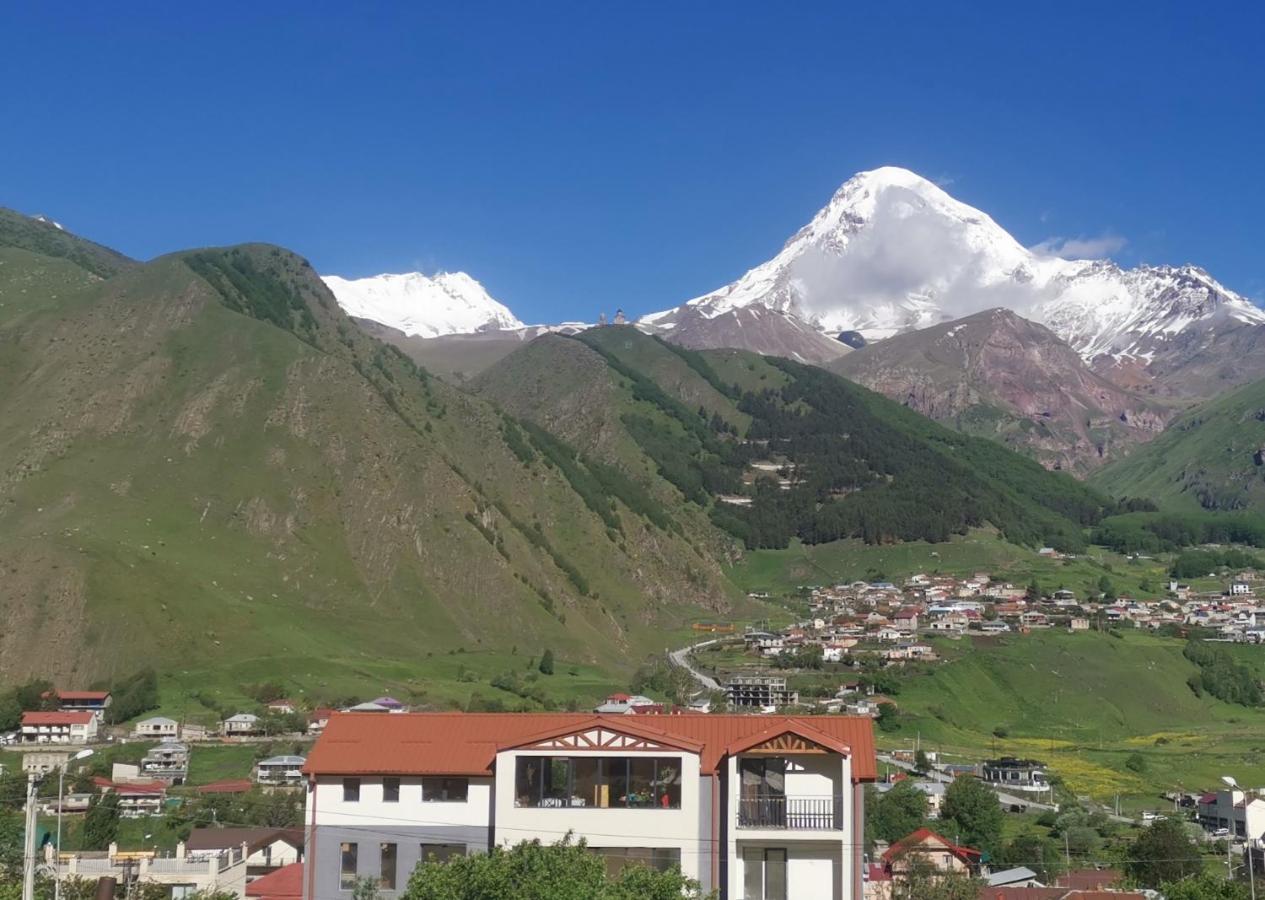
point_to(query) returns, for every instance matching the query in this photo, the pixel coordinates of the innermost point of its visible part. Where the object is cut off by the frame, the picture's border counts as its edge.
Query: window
(390, 790)
(445, 790)
(619, 858)
(351, 790)
(764, 874)
(181, 891)
(386, 866)
(440, 853)
(635, 782)
(347, 873)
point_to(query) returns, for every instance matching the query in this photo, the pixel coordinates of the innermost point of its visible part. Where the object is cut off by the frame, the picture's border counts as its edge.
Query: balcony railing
(803, 813)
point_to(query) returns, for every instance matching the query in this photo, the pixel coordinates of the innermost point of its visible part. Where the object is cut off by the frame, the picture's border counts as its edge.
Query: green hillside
(216, 473)
(1210, 457)
(854, 463)
(1085, 703)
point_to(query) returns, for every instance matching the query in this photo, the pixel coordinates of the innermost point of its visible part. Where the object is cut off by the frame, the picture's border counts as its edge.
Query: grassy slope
(233, 501)
(783, 571)
(1084, 703)
(1204, 457)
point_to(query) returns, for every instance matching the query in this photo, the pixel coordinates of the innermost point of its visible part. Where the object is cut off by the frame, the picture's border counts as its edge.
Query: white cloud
(1099, 247)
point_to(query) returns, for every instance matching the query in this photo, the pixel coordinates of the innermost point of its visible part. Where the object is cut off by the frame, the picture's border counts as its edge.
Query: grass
(1084, 704)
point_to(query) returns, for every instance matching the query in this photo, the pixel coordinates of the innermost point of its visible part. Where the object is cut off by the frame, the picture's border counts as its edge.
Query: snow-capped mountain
(422, 305)
(892, 252)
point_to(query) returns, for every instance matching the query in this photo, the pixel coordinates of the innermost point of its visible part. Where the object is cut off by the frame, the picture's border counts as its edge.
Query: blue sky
(577, 158)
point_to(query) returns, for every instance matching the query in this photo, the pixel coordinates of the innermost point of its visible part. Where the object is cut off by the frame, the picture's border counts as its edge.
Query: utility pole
(28, 851)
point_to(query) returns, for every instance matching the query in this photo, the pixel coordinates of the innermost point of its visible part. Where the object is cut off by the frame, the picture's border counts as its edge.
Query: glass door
(764, 873)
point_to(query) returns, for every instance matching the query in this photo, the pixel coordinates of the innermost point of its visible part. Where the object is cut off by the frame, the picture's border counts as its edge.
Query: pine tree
(546, 663)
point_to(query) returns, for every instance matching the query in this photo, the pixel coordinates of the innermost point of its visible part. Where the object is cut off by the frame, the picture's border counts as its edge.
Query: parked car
(1221, 832)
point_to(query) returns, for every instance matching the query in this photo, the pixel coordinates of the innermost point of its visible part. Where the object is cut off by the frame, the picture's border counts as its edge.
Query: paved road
(682, 658)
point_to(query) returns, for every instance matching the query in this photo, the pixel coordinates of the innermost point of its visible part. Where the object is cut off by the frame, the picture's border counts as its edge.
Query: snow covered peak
(417, 304)
(892, 251)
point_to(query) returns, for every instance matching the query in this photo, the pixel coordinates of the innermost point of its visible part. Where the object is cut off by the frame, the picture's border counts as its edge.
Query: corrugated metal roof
(467, 743)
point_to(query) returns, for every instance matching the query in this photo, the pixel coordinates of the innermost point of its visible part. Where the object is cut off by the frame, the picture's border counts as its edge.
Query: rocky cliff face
(999, 375)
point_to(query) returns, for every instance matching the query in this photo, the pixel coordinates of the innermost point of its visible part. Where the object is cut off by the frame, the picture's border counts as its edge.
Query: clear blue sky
(582, 157)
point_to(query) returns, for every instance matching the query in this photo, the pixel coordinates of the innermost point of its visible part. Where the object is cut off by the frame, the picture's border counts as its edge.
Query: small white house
(157, 728)
(74, 727)
(242, 725)
(280, 771)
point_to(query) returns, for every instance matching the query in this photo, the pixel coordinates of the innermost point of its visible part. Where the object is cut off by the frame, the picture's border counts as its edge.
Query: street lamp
(61, 785)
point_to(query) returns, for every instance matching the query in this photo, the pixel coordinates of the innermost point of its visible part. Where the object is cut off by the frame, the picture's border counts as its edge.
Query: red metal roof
(69, 717)
(227, 786)
(915, 841)
(467, 743)
(82, 695)
(283, 884)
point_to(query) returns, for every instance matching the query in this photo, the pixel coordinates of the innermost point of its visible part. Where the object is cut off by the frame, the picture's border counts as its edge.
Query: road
(682, 658)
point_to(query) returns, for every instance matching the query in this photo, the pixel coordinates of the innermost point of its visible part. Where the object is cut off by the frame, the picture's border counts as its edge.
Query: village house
(242, 725)
(61, 727)
(135, 800)
(156, 728)
(43, 762)
(168, 761)
(280, 771)
(280, 707)
(761, 691)
(926, 846)
(317, 719)
(266, 849)
(182, 874)
(1022, 774)
(1242, 813)
(85, 701)
(905, 619)
(751, 806)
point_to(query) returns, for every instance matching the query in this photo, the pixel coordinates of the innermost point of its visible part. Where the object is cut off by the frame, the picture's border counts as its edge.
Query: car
(1149, 816)
(1221, 832)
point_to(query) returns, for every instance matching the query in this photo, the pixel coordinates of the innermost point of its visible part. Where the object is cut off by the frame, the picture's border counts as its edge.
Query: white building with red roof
(60, 727)
(750, 806)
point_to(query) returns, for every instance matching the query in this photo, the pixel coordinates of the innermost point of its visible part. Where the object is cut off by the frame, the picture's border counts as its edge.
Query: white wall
(371, 821)
(678, 828)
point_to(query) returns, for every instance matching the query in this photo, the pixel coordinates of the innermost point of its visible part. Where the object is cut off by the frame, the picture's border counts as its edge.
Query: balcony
(791, 813)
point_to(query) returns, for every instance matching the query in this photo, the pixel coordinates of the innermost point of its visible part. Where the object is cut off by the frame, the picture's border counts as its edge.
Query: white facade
(159, 727)
(778, 819)
(59, 728)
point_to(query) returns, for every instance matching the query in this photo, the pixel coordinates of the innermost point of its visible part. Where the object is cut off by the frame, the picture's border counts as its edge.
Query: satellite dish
(1229, 781)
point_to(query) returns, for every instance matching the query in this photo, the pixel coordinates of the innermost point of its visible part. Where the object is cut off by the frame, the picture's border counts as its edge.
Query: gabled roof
(68, 717)
(917, 840)
(253, 838)
(285, 883)
(467, 743)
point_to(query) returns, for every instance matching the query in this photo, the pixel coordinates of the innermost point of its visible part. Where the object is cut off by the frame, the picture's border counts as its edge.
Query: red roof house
(286, 883)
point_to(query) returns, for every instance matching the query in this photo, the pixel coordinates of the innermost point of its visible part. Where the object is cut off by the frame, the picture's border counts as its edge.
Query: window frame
(385, 883)
(351, 790)
(614, 780)
(344, 848)
(453, 851)
(391, 789)
(446, 782)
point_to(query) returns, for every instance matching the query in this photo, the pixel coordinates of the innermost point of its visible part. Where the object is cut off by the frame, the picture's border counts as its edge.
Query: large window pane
(619, 858)
(347, 870)
(616, 771)
(774, 875)
(668, 783)
(528, 780)
(641, 781)
(440, 853)
(437, 789)
(557, 781)
(386, 866)
(588, 789)
(753, 874)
